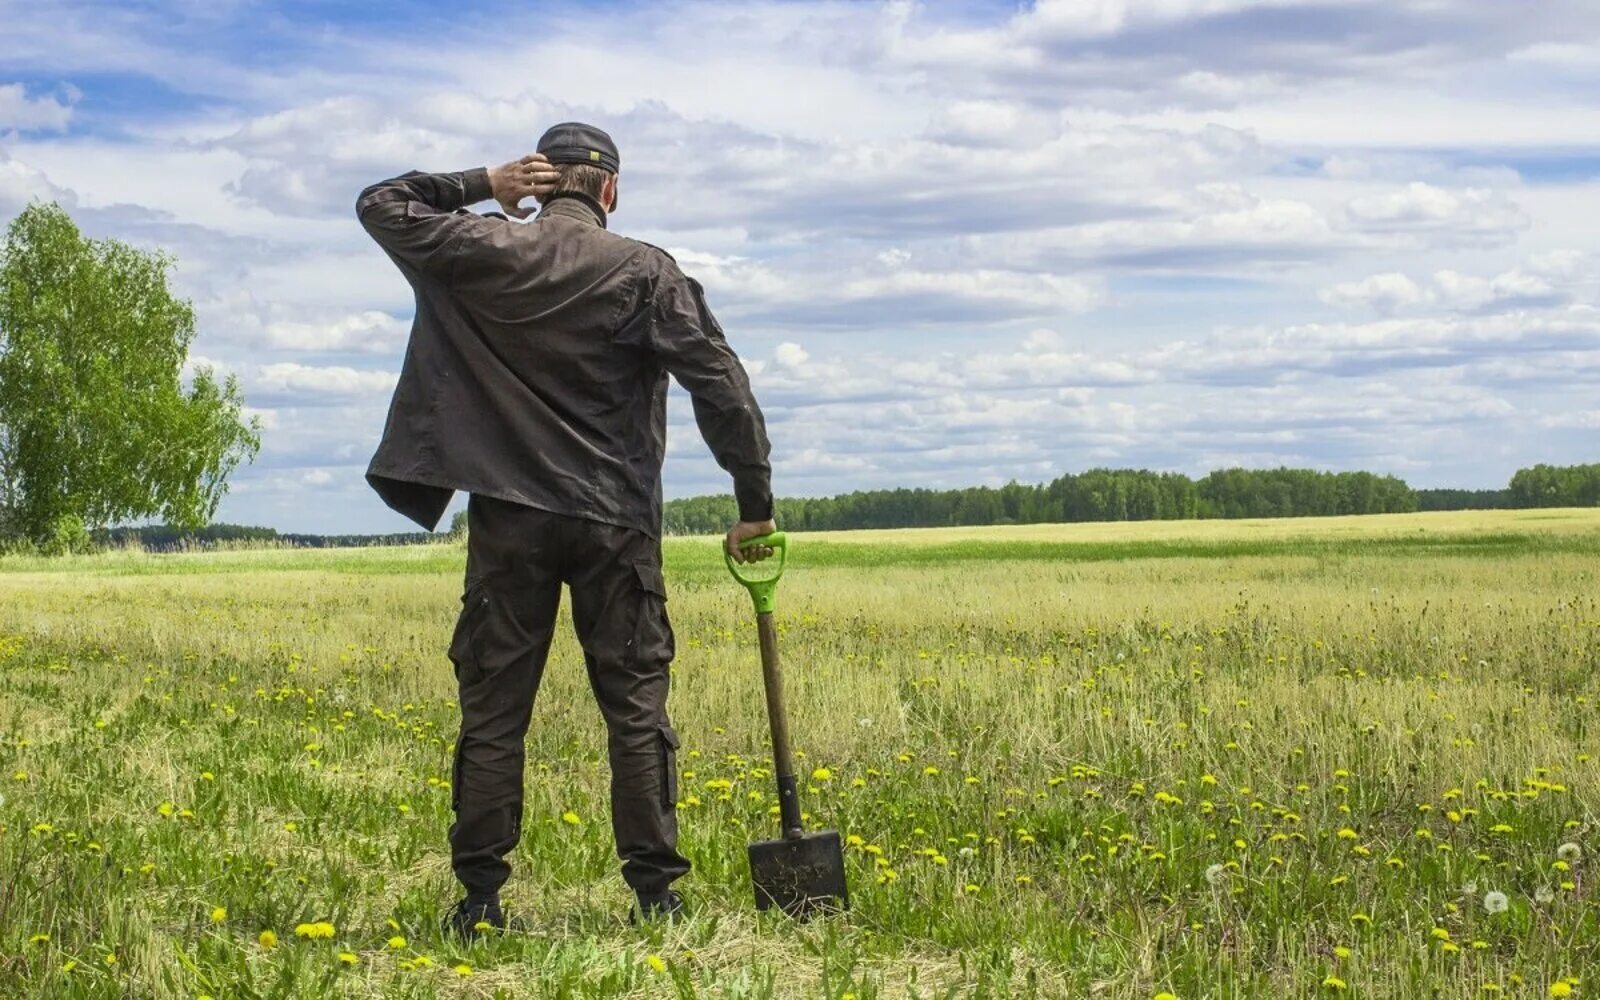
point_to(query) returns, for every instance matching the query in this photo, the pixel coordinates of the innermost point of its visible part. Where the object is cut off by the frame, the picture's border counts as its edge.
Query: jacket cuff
(475, 185)
(755, 501)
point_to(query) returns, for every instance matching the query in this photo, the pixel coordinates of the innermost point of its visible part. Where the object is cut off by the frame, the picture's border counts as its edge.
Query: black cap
(575, 142)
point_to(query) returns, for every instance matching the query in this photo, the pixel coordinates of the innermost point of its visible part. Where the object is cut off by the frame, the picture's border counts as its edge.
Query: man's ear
(608, 193)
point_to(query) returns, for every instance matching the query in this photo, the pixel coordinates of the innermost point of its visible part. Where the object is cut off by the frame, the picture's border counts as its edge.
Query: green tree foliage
(96, 425)
(1301, 493)
(1556, 486)
(1452, 499)
(1093, 495)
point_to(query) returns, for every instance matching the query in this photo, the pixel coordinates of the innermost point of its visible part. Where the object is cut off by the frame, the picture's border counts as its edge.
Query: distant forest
(1095, 495)
(1142, 495)
(165, 538)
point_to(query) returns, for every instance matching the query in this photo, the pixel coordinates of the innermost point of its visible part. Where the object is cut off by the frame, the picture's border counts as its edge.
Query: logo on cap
(594, 156)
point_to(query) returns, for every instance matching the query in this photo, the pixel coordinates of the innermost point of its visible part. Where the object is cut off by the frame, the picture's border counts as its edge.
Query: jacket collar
(575, 205)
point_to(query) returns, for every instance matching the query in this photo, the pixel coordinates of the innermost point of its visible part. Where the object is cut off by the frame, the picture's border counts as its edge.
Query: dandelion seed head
(1496, 902)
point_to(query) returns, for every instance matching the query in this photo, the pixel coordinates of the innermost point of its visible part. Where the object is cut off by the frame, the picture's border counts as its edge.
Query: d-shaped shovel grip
(763, 589)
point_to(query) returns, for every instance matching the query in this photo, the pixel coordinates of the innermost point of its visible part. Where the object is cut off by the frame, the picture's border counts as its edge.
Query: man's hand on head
(532, 176)
(745, 530)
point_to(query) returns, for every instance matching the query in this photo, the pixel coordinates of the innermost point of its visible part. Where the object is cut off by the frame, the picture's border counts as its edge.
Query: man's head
(587, 160)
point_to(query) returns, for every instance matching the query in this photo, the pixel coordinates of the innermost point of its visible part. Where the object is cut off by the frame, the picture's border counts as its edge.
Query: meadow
(1319, 757)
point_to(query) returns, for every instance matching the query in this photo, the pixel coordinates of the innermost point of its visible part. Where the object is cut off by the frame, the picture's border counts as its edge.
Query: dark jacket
(537, 366)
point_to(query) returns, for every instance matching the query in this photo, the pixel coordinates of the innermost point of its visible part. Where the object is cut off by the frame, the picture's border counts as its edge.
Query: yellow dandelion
(655, 962)
(219, 914)
(1561, 989)
(348, 958)
(463, 969)
(821, 774)
(570, 818)
(267, 939)
(397, 942)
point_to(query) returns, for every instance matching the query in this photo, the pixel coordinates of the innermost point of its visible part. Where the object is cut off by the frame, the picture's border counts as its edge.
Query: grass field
(1350, 756)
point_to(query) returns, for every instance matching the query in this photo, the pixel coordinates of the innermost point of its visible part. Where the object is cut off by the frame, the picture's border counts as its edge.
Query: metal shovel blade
(802, 876)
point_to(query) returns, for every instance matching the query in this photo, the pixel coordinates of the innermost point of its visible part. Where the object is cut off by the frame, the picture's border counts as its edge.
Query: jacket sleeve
(687, 339)
(414, 217)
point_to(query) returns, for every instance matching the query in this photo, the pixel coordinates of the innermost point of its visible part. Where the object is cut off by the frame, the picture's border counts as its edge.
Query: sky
(954, 243)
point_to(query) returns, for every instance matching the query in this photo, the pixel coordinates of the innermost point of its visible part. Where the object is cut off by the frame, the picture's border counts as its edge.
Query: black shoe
(475, 916)
(666, 906)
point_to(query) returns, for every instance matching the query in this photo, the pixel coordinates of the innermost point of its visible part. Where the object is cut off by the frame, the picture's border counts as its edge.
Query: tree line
(172, 538)
(1144, 495)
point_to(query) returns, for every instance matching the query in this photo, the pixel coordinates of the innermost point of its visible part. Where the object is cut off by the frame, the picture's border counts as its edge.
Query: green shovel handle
(763, 592)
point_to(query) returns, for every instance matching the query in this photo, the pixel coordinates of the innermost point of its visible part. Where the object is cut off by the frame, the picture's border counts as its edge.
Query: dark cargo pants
(517, 559)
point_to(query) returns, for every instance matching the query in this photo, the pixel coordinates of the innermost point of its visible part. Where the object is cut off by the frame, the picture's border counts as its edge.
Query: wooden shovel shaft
(788, 799)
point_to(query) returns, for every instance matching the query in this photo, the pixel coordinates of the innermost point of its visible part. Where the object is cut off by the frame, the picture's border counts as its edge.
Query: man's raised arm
(689, 342)
(414, 217)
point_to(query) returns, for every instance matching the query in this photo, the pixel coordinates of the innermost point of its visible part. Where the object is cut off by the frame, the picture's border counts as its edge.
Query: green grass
(1111, 760)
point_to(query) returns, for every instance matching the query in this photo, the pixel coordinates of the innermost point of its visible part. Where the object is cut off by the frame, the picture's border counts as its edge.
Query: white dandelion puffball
(1544, 895)
(1496, 902)
(1471, 888)
(1216, 873)
(1569, 853)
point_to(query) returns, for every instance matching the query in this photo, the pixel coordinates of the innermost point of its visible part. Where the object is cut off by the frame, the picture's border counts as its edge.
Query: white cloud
(1581, 420)
(1384, 292)
(1543, 281)
(312, 384)
(49, 112)
(1469, 216)
(21, 184)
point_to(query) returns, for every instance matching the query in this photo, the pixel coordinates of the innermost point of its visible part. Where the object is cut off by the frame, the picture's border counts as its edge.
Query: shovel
(800, 873)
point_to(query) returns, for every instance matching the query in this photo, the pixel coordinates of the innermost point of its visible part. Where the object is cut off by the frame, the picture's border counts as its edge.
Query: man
(536, 380)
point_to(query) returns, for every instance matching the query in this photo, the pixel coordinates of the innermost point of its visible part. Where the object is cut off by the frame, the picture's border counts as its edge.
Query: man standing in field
(536, 380)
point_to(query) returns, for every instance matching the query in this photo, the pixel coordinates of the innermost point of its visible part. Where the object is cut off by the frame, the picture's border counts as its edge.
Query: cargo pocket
(464, 643)
(652, 639)
(650, 578)
(669, 767)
